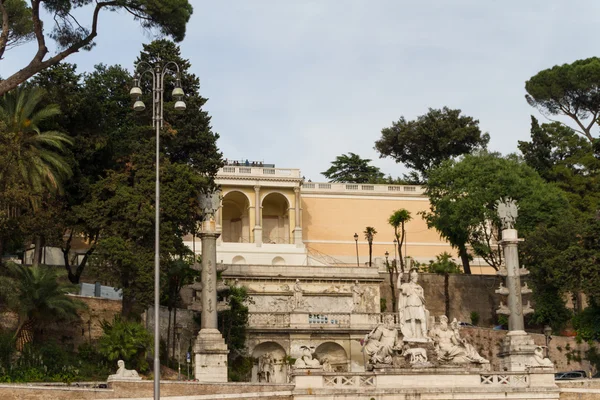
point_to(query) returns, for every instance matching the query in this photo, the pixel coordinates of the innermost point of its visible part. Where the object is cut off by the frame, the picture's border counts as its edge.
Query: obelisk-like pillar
(517, 348)
(210, 350)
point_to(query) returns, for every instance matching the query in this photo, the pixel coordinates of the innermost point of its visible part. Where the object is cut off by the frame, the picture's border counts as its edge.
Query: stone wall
(487, 342)
(88, 328)
(581, 389)
(185, 318)
(467, 293)
(144, 389)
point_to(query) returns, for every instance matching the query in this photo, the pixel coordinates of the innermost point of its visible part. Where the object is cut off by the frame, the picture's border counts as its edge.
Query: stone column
(257, 222)
(219, 224)
(298, 221)
(517, 348)
(210, 350)
(509, 242)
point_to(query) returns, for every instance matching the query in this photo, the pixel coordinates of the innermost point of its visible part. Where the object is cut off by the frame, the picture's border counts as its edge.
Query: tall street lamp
(356, 240)
(178, 331)
(158, 73)
(548, 335)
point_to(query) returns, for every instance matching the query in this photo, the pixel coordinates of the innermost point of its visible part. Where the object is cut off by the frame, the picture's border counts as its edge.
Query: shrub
(125, 340)
(475, 318)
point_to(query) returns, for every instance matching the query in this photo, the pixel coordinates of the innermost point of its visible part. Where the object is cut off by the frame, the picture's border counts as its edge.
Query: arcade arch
(235, 220)
(275, 218)
(271, 363)
(335, 353)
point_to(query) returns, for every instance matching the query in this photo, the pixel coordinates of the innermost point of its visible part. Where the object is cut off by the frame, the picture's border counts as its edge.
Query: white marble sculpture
(124, 374)
(412, 313)
(538, 359)
(266, 370)
(417, 355)
(380, 345)
(298, 294)
(357, 297)
(507, 212)
(306, 360)
(450, 347)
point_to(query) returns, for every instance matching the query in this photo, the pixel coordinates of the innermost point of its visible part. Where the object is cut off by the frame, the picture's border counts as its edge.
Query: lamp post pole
(178, 330)
(548, 335)
(356, 240)
(158, 73)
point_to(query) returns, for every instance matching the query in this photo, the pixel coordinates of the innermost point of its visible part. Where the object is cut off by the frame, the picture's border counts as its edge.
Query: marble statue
(508, 212)
(450, 347)
(538, 359)
(266, 368)
(412, 313)
(380, 345)
(357, 297)
(298, 301)
(124, 374)
(417, 355)
(306, 360)
(326, 365)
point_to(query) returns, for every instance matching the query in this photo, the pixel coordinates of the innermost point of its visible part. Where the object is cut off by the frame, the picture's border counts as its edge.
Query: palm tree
(31, 159)
(397, 220)
(370, 233)
(36, 295)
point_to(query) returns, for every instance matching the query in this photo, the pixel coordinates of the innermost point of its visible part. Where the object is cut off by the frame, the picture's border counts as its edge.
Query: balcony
(240, 171)
(367, 189)
(320, 321)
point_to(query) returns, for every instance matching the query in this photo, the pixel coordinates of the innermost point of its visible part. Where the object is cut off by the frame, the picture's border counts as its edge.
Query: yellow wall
(329, 224)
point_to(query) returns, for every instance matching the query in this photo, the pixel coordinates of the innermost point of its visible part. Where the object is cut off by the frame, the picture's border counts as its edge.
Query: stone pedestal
(516, 351)
(258, 235)
(210, 356)
(298, 237)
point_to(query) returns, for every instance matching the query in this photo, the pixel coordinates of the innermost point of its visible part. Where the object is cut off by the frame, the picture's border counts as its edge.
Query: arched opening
(275, 219)
(271, 363)
(278, 261)
(238, 260)
(335, 354)
(236, 224)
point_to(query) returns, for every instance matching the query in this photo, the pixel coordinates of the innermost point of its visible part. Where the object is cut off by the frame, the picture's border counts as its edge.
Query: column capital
(256, 188)
(296, 189)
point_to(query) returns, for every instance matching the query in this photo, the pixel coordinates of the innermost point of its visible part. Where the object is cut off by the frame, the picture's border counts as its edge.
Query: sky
(299, 82)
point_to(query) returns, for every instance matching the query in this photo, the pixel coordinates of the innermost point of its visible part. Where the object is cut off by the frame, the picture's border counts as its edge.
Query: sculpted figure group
(384, 342)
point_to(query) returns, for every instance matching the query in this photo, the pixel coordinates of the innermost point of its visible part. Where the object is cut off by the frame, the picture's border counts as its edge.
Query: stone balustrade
(306, 320)
(309, 187)
(243, 170)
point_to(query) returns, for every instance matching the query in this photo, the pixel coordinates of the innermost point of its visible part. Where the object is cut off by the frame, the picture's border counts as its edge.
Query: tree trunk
(447, 293)
(127, 306)
(464, 257)
(370, 253)
(392, 285)
(37, 251)
(1, 251)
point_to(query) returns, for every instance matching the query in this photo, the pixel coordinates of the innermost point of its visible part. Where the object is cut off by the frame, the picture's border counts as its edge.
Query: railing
(278, 320)
(362, 321)
(503, 379)
(342, 320)
(349, 381)
(277, 240)
(309, 187)
(245, 170)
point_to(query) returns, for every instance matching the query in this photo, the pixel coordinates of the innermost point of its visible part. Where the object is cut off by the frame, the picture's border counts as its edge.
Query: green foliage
(353, 169)
(233, 325)
(571, 90)
(20, 24)
(442, 265)
(562, 156)
(59, 21)
(475, 317)
(125, 340)
(50, 362)
(462, 202)
(587, 323)
(36, 294)
(424, 143)
(382, 305)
